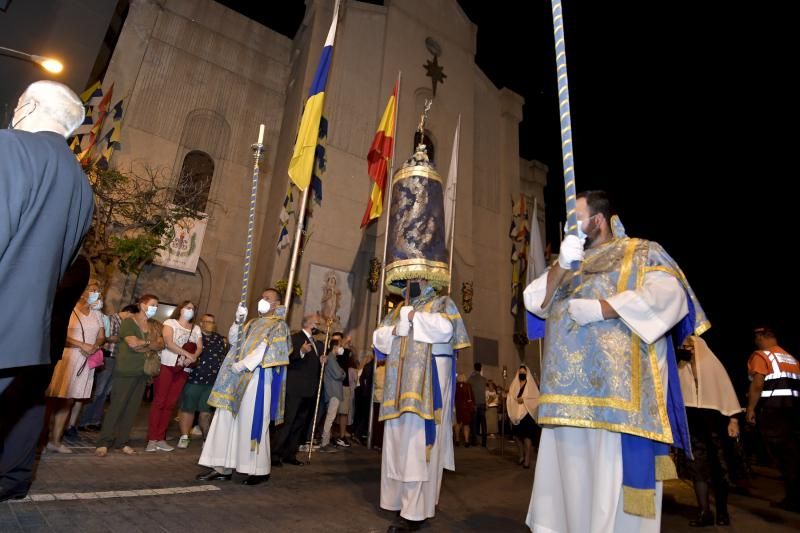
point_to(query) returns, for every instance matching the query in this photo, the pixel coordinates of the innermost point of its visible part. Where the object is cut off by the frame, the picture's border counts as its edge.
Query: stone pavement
(337, 492)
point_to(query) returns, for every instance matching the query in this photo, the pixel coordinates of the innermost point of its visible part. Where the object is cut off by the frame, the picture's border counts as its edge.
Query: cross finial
(421, 127)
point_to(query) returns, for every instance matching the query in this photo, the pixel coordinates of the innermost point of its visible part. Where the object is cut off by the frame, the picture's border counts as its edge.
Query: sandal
(127, 450)
(100, 451)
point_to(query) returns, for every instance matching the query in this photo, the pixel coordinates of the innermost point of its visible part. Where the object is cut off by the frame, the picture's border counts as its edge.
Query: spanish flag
(378, 159)
(302, 163)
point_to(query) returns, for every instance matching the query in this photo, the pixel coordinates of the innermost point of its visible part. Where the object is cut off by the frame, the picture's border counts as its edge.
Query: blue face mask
(93, 297)
(151, 311)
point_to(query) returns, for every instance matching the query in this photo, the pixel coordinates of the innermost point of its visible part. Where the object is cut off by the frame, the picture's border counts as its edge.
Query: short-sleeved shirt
(180, 336)
(129, 362)
(214, 350)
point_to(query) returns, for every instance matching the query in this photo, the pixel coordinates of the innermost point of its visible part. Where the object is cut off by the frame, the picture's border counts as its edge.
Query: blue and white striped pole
(566, 125)
(258, 151)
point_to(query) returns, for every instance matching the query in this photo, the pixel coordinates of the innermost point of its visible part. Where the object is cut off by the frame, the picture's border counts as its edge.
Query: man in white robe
(578, 486)
(238, 438)
(411, 466)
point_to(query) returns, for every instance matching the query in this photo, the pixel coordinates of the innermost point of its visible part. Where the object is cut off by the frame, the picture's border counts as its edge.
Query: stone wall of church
(372, 44)
(201, 77)
(198, 76)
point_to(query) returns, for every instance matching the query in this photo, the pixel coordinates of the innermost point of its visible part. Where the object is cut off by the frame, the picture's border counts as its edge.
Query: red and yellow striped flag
(378, 160)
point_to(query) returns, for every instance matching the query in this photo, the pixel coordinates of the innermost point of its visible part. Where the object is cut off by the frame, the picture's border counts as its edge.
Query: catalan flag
(302, 163)
(94, 133)
(110, 140)
(380, 153)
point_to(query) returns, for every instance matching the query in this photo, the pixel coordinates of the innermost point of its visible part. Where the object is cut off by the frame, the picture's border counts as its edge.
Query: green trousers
(126, 397)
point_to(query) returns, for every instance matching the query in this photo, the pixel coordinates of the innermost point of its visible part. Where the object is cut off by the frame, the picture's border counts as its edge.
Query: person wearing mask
(248, 394)
(773, 405)
(302, 382)
(179, 330)
(711, 407)
(478, 384)
(344, 358)
(521, 403)
(128, 383)
(333, 379)
(93, 412)
(194, 397)
(72, 378)
(46, 206)
(492, 404)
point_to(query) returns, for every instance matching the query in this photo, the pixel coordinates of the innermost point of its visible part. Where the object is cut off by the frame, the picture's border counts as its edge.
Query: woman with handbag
(127, 387)
(74, 373)
(183, 343)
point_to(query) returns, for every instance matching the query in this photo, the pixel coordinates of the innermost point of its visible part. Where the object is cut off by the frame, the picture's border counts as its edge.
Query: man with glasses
(194, 398)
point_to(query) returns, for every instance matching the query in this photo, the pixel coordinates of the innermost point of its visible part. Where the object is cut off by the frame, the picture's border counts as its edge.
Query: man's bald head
(311, 320)
(49, 106)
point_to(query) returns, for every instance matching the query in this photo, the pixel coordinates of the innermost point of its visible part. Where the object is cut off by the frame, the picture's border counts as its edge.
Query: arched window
(194, 181)
(428, 142)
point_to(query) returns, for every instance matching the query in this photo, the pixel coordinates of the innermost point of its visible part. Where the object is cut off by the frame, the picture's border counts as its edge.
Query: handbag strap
(80, 323)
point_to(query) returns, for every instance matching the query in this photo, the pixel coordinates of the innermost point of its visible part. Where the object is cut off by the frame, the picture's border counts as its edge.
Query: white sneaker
(183, 443)
(151, 446)
(163, 446)
(57, 448)
(197, 432)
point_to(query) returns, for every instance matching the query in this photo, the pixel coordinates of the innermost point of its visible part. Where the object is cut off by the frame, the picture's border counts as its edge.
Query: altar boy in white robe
(249, 392)
(610, 401)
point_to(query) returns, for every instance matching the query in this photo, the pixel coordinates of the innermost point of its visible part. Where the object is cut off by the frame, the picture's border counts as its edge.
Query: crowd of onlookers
(121, 354)
(128, 355)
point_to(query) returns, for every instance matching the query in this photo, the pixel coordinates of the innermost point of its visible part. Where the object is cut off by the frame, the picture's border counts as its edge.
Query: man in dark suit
(46, 206)
(302, 382)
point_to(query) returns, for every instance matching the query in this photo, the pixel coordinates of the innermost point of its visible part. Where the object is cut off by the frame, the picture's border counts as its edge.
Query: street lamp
(48, 63)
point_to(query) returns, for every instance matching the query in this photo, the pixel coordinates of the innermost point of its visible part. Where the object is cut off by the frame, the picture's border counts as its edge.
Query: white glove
(238, 367)
(405, 311)
(404, 324)
(585, 311)
(571, 250)
(241, 314)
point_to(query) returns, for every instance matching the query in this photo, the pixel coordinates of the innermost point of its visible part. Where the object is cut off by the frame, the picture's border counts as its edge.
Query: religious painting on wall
(329, 292)
(183, 251)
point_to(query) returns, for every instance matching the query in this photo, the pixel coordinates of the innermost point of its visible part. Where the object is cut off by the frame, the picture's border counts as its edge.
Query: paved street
(338, 492)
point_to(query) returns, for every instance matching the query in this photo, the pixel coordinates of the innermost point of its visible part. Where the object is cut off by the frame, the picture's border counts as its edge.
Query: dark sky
(677, 112)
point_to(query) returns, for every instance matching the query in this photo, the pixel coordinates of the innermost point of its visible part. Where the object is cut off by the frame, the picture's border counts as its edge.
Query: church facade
(199, 79)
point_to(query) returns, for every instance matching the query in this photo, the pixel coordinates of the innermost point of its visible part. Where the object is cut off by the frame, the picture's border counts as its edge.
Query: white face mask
(264, 306)
(98, 305)
(151, 311)
(339, 351)
(187, 314)
(93, 297)
(581, 234)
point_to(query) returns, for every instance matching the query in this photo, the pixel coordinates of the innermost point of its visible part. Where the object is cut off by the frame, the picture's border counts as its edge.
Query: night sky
(676, 112)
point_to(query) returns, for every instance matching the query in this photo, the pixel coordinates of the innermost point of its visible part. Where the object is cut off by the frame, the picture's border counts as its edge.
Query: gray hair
(58, 102)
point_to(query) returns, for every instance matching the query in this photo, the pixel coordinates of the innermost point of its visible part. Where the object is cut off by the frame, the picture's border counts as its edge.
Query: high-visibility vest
(784, 378)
